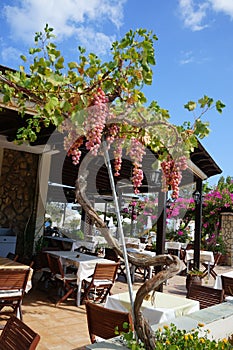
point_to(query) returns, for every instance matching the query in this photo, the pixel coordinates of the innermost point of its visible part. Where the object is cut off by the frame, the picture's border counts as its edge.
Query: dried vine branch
(171, 264)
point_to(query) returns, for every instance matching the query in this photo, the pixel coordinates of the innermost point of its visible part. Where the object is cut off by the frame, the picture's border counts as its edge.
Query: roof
(201, 165)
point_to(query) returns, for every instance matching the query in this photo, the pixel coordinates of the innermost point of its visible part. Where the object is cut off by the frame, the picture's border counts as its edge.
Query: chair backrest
(105, 271)
(11, 279)
(17, 335)
(102, 322)
(207, 296)
(227, 285)
(12, 256)
(55, 264)
(217, 258)
(111, 254)
(25, 261)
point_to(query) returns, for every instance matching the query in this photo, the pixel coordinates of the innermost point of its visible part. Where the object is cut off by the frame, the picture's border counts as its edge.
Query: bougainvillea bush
(216, 200)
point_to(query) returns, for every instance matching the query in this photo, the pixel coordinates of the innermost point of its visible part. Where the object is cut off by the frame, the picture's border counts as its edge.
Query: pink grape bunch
(74, 150)
(96, 120)
(118, 156)
(113, 131)
(71, 136)
(72, 141)
(136, 152)
(172, 174)
(137, 178)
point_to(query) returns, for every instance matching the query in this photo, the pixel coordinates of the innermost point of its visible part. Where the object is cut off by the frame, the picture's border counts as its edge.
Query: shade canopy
(65, 173)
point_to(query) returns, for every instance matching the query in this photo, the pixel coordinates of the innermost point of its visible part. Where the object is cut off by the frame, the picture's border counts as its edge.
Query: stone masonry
(227, 234)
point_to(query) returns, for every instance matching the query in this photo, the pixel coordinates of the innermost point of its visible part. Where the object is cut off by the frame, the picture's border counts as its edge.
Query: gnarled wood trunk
(170, 264)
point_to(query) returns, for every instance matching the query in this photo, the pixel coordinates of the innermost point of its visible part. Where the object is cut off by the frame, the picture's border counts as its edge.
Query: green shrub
(171, 338)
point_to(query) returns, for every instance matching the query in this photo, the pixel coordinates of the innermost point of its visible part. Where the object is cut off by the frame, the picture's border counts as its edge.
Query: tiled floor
(64, 327)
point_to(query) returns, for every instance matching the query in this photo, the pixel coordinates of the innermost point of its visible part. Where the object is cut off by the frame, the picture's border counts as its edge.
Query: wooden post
(198, 222)
(161, 228)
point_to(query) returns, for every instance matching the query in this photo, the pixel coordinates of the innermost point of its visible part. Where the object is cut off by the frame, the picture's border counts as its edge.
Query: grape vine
(90, 86)
(172, 174)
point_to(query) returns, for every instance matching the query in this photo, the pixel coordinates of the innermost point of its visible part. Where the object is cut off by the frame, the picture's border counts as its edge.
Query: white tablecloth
(218, 281)
(166, 306)
(173, 245)
(84, 262)
(140, 251)
(91, 243)
(205, 256)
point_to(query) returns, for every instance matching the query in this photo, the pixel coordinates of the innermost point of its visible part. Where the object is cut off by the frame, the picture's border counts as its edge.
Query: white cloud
(9, 54)
(187, 57)
(225, 6)
(193, 14)
(94, 41)
(67, 17)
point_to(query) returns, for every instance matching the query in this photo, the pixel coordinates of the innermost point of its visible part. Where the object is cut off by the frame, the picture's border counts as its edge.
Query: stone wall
(18, 183)
(227, 234)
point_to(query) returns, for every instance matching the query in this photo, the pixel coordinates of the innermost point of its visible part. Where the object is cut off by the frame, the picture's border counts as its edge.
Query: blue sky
(194, 53)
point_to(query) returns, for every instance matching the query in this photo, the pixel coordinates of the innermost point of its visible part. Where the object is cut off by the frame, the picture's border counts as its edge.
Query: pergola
(201, 166)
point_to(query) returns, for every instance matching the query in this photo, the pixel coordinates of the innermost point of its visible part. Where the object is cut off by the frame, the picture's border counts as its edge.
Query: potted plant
(216, 244)
(194, 276)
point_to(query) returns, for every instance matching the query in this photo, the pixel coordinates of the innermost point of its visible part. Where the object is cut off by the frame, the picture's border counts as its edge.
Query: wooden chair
(43, 267)
(111, 254)
(26, 261)
(69, 281)
(212, 266)
(13, 284)
(17, 335)
(227, 285)
(12, 256)
(99, 285)
(103, 322)
(207, 296)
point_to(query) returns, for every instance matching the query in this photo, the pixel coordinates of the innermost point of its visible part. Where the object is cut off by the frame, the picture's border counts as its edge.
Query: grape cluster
(72, 141)
(71, 136)
(113, 131)
(96, 120)
(118, 156)
(172, 174)
(74, 150)
(137, 178)
(136, 152)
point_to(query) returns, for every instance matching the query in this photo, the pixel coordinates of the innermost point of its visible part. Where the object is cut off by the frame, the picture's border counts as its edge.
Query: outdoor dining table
(85, 265)
(205, 256)
(164, 307)
(173, 246)
(142, 252)
(6, 264)
(218, 280)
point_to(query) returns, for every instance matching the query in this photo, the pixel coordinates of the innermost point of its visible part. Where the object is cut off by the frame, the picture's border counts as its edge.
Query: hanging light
(196, 196)
(155, 176)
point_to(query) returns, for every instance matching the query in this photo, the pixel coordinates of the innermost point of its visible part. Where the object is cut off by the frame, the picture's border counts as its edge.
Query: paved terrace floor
(64, 327)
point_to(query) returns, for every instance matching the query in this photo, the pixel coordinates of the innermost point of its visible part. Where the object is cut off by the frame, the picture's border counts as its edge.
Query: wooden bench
(207, 296)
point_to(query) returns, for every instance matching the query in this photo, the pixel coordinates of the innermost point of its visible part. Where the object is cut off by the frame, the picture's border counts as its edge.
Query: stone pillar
(227, 234)
(43, 178)
(18, 184)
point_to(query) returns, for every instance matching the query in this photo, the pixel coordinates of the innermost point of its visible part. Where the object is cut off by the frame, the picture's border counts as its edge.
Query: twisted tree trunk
(170, 265)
